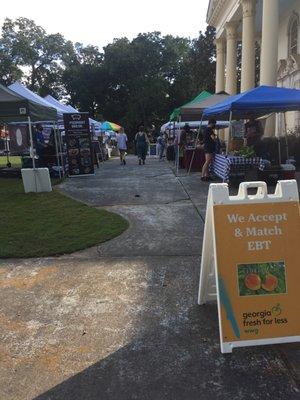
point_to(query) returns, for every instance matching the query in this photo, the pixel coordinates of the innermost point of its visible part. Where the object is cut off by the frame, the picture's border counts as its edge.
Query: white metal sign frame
(209, 286)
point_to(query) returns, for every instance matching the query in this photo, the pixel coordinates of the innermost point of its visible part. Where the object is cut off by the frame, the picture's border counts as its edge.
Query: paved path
(120, 321)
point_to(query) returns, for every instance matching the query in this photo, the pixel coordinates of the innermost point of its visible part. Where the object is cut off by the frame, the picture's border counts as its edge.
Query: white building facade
(275, 24)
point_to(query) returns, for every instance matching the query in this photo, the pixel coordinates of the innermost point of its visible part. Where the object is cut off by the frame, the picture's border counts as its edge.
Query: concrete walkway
(120, 321)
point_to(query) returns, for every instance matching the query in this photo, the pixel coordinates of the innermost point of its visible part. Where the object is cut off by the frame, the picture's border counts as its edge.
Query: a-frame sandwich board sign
(251, 263)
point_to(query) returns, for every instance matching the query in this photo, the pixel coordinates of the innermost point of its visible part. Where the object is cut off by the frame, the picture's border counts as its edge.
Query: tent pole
(196, 141)
(285, 135)
(31, 142)
(7, 148)
(230, 131)
(279, 150)
(178, 138)
(56, 149)
(174, 128)
(61, 151)
(32, 152)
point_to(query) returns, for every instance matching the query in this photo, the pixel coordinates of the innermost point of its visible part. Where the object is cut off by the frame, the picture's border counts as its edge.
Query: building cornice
(214, 9)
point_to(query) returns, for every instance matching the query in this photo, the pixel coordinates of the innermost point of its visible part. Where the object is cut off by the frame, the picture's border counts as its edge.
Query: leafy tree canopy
(129, 82)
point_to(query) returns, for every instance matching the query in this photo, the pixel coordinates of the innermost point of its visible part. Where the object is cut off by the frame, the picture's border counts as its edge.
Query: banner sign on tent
(250, 258)
(79, 144)
(19, 139)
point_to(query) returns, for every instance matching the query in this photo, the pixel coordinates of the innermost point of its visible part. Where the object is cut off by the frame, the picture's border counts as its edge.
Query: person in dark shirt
(142, 143)
(39, 140)
(253, 132)
(209, 140)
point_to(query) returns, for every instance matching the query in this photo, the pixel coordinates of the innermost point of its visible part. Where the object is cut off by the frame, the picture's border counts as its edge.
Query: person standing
(39, 144)
(122, 145)
(161, 145)
(210, 139)
(254, 134)
(179, 146)
(142, 143)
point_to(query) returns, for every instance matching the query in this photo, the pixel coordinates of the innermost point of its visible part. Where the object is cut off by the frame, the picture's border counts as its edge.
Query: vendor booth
(177, 112)
(95, 126)
(109, 130)
(178, 151)
(193, 111)
(53, 156)
(99, 151)
(254, 103)
(15, 108)
(191, 155)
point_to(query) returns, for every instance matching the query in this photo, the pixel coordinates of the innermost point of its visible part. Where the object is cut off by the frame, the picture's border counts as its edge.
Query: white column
(269, 43)
(231, 58)
(220, 65)
(248, 45)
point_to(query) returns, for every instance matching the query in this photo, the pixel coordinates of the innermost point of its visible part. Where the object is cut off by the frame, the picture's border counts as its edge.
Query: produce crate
(271, 175)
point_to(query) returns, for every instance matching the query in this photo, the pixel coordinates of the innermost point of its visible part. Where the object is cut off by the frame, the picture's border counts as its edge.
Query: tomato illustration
(270, 283)
(253, 282)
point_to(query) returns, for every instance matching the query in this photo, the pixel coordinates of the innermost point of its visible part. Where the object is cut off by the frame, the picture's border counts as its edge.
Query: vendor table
(198, 161)
(225, 165)
(170, 153)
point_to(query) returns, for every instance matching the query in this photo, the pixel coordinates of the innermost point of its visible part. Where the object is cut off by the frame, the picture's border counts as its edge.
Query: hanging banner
(19, 139)
(255, 243)
(79, 144)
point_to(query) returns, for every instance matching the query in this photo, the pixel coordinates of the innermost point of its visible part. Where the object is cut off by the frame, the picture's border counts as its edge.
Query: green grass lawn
(44, 224)
(14, 160)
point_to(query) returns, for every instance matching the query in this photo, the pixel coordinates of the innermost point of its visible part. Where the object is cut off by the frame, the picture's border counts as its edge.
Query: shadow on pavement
(177, 356)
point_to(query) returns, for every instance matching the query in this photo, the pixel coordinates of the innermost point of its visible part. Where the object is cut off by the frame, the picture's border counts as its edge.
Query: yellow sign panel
(258, 270)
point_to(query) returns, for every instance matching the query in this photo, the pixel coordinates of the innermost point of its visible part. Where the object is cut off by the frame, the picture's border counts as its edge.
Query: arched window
(293, 34)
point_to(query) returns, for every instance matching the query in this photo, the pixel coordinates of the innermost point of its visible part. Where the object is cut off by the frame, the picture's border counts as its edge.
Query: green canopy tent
(177, 115)
(177, 112)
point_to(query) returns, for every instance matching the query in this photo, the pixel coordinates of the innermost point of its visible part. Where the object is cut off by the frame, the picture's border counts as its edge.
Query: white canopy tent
(22, 90)
(65, 108)
(191, 124)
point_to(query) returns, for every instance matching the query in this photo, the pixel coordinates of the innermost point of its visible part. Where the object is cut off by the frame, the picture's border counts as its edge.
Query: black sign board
(79, 144)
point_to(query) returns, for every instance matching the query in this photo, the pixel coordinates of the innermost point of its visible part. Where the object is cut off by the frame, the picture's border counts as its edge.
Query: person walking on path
(141, 143)
(122, 145)
(161, 145)
(210, 140)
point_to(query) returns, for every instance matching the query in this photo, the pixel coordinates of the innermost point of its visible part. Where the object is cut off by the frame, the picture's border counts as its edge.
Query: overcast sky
(98, 22)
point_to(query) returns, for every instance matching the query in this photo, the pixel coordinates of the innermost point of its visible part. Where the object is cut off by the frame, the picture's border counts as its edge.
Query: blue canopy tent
(256, 102)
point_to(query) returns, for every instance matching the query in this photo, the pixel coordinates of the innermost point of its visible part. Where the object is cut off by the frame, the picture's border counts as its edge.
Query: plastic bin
(36, 180)
(288, 171)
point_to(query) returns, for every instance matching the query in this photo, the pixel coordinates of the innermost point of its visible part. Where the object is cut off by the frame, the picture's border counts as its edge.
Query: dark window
(293, 35)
